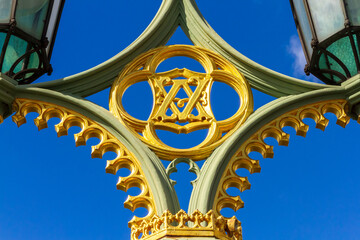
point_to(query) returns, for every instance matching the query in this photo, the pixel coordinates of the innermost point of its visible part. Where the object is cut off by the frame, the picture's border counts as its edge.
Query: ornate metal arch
(268, 121)
(147, 172)
(63, 98)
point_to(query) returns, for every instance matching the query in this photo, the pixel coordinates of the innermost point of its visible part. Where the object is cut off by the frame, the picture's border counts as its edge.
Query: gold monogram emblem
(181, 115)
(167, 100)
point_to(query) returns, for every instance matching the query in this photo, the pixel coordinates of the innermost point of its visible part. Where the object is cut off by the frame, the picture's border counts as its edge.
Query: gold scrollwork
(89, 129)
(196, 110)
(256, 143)
(187, 225)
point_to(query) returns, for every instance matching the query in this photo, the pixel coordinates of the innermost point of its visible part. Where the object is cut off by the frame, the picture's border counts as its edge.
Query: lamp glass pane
(2, 39)
(32, 64)
(15, 49)
(52, 23)
(5, 10)
(357, 43)
(323, 64)
(328, 17)
(353, 11)
(335, 66)
(31, 16)
(342, 50)
(304, 24)
(33, 61)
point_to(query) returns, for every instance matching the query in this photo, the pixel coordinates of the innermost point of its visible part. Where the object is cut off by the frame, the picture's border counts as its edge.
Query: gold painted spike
(273, 129)
(258, 146)
(108, 145)
(70, 121)
(181, 115)
(125, 183)
(242, 183)
(108, 142)
(182, 224)
(320, 120)
(18, 119)
(85, 134)
(226, 201)
(112, 166)
(296, 123)
(281, 137)
(249, 164)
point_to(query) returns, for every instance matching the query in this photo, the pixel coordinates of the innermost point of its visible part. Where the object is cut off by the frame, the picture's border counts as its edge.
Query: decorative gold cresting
(108, 143)
(185, 225)
(256, 143)
(216, 68)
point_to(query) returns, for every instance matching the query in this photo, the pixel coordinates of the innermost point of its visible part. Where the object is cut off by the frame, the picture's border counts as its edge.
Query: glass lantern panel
(304, 25)
(342, 49)
(5, 10)
(328, 17)
(52, 23)
(33, 61)
(15, 49)
(325, 62)
(31, 16)
(356, 39)
(335, 66)
(2, 39)
(353, 11)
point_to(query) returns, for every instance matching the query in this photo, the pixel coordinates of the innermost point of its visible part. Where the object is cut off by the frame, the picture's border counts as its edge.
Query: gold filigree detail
(256, 143)
(108, 143)
(185, 225)
(182, 115)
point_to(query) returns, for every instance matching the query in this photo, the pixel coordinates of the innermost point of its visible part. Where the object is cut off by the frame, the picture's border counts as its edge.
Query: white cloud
(297, 53)
(295, 50)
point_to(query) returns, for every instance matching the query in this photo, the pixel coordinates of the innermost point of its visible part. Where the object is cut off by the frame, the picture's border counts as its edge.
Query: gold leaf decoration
(187, 225)
(167, 113)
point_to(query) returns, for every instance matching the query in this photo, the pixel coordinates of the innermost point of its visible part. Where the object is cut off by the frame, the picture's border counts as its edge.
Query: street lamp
(329, 31)
(27, 34)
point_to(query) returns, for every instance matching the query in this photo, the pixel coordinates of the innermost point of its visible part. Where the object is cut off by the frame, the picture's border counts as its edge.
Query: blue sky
(51, 190)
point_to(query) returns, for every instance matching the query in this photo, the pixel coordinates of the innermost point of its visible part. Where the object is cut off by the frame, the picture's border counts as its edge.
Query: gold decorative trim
(185, 225)
(89, 129)
(176, 114)
(1, 119)
(256, 143)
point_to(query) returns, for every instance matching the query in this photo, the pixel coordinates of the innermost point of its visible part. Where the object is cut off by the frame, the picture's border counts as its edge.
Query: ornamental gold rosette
(181, 115)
